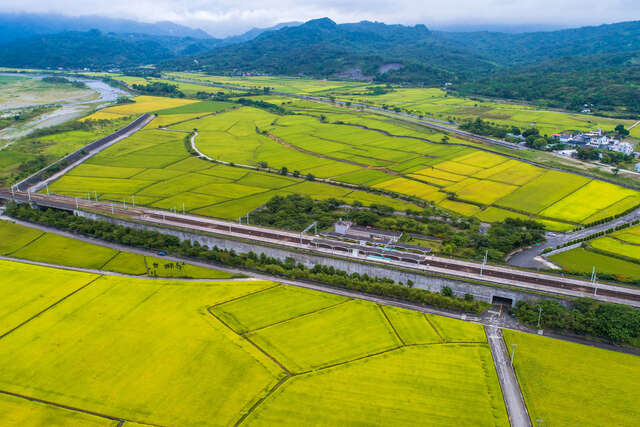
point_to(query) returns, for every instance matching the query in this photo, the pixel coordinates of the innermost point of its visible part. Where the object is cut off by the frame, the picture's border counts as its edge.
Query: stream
(67, 110)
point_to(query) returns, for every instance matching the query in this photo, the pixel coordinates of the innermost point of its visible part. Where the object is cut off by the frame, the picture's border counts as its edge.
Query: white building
(637, 168)
(622, 147)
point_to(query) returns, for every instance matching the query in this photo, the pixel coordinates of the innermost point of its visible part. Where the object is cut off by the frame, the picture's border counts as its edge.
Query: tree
(310, 177)
(621, 130)
(284, 171)
(263, 164)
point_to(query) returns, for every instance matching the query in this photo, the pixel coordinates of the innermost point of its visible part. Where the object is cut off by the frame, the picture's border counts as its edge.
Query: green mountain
(322, 48)
(96, 50)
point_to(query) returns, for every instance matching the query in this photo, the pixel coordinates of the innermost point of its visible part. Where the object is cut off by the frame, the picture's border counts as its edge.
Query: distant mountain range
(15, 26)
(563, 68)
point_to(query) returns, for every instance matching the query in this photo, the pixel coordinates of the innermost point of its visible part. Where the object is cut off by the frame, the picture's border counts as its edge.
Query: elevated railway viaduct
(511, 283)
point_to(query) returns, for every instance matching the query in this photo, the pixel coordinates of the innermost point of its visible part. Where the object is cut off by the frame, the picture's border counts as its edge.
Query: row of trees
(288, 268)
(618, 324)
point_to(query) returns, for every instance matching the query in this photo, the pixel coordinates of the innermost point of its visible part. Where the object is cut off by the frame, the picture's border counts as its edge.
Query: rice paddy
(194, 353)
(27, 243)
(560, 381)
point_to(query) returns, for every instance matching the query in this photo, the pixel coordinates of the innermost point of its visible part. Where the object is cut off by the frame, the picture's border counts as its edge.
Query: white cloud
(223, 17)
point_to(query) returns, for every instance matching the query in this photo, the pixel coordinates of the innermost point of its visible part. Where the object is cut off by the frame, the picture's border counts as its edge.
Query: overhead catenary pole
(513, 353)
(539, 315)
(484, 261)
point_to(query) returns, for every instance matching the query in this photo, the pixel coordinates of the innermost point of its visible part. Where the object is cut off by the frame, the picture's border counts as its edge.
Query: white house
(622, 147)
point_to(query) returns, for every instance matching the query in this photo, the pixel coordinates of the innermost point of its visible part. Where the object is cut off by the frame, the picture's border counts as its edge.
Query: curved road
(530, 257)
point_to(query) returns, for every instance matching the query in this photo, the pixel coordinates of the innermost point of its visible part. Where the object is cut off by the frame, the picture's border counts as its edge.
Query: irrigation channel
(464, 270)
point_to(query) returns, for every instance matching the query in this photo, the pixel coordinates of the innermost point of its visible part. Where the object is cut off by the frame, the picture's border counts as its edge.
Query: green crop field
(582, 260)
(50, 147)
(442, 105)
(560, 380)
(195, 353)
(152, 167)
(27, 243)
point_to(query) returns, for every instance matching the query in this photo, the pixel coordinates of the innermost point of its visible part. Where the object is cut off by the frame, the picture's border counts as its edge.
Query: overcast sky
(225, 17)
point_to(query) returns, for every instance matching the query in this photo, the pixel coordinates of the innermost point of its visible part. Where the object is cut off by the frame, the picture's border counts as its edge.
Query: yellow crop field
(15, 412)
(28, 289)
(485, 192)
(200, 353)
(465, 209)
(440, 174)
(457, 168)
(407, 186)
(143, 104)
(558, 377)
(588, 200)
(481, 159)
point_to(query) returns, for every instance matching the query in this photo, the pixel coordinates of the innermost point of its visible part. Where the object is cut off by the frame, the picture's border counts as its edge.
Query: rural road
(516, 408)
(526, 258)
(35, 188)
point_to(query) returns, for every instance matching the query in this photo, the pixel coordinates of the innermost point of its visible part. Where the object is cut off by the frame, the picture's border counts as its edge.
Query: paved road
(37, 187)
(527, 257)
(516, 408)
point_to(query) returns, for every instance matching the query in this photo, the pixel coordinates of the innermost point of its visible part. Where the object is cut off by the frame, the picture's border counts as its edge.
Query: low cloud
(225, 17)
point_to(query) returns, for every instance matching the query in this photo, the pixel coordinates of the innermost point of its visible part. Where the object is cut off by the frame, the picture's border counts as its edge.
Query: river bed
(68, 110)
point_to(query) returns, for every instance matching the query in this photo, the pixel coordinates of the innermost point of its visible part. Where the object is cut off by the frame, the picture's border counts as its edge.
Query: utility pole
(124, 203)
(484, 261)
(95, 193)
(47, 184)
(77, 207)
(539, 315)
(594, 281)
(182, 208)
(513, 353)
(133, 200)
(112, 209)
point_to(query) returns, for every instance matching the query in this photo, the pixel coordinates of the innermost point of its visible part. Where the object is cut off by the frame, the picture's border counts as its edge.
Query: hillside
(323, 48)
(605, 80)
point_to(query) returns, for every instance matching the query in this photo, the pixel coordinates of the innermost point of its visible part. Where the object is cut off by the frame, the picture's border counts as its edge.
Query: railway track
(500, 275)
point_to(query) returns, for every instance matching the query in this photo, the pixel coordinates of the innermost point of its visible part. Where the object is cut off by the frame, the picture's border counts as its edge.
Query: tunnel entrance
(497, 300)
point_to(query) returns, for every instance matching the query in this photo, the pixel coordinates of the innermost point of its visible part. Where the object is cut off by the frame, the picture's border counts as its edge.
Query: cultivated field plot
(152, 167)
(582, 260)
(52, 146)
(439, 104)
(143, 104)
(27, 243)
(558, 378)
(277, 83)
(181, 353)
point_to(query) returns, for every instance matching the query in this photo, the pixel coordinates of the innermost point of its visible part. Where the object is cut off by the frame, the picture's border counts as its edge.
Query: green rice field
(153, 167)
(195, 353)
(567, 384)
(583, 260)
